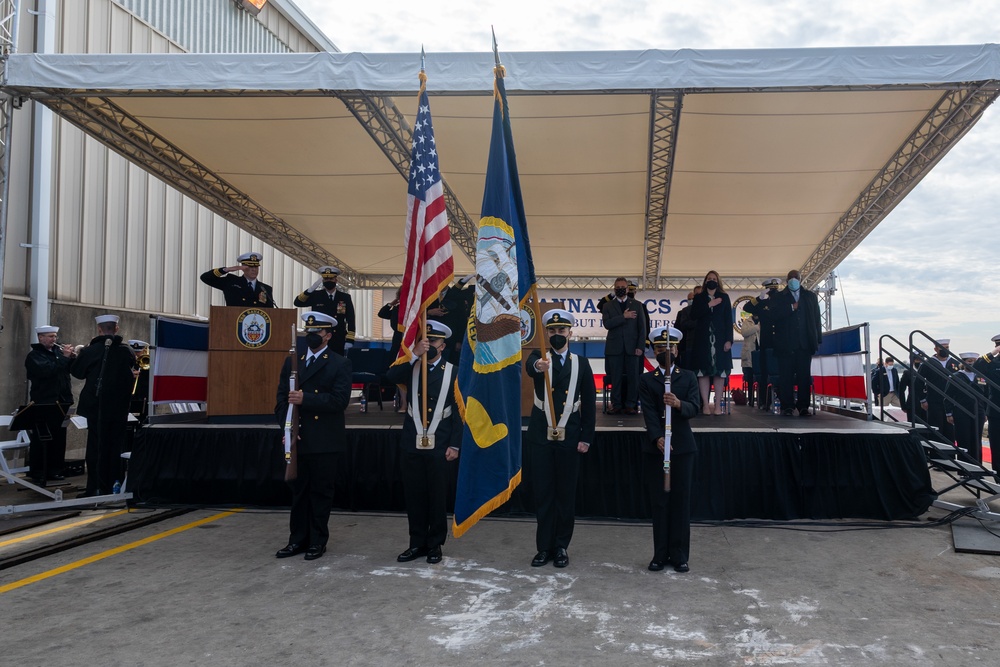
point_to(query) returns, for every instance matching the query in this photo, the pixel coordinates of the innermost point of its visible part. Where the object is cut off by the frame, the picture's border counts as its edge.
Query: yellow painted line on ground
(58, 529)
(6, 588)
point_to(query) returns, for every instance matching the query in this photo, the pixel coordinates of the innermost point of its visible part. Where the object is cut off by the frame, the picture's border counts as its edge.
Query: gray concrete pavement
(215, 595)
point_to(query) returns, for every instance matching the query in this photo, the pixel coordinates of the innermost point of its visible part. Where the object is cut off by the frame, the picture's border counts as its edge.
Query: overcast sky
(926, 266)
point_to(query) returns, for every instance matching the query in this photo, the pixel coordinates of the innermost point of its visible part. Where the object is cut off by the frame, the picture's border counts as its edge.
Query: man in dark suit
(558, 435)
(934, 374)
(671, 509)
(108, 366)
(623, 348)
(47, 366)
(885, 382)
(322, 394)
(798, 331)
(765, 339)
(333, 302)
(989, 366)
(425, 451)
(244, 291)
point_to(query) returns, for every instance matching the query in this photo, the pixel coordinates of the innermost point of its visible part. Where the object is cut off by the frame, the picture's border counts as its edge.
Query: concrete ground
(211, 593)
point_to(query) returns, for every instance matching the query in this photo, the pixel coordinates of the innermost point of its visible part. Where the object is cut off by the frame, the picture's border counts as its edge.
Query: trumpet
(142, 363)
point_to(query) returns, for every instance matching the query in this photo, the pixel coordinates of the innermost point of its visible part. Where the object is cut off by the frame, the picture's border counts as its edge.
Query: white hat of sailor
(48, 328)
(437, 329)
(558, 317)
(107, 319)
(996, 339)
(317, 321)
(943, 342)
(968, 355)
(329, 272)
(665, 335)
(250, 259)
(138, 345)
(771, 282)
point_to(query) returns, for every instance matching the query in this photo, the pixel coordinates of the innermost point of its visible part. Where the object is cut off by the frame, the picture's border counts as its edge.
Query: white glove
(996, 351)
(315, 286)
(348, 346)
(763, 296)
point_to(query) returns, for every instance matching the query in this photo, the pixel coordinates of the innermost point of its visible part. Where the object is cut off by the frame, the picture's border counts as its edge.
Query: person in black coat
(623, 348)
(885, 383)
(336, 303)
(765, 340)
(426, 452)
(712, 311)
(47, 366)
(686, 325)
(558, 436)
(246, 290)
(323, 393)
(108, 367)
(911, 390)
(965, 407)
(934, 374)
(671, 509)
(798, 332)
(989, 366)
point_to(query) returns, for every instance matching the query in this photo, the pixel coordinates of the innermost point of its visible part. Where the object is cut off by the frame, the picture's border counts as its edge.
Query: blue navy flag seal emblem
(253, 328)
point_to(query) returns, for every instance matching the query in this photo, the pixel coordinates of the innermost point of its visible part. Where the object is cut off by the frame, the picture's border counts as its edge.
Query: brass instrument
(142, 360)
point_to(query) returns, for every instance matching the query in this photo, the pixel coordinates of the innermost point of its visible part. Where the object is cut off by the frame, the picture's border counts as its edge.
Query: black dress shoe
(434, 555)
(561, 559)
(788, 413)
(57, 478)
(682, 567)
(315, 551)
(290, 550)
(413, 553)
(655, 565)
(540, 559)
(804, 412)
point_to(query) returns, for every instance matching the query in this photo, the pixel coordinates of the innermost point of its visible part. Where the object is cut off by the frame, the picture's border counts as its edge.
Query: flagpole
(551, 418)
(423, 373)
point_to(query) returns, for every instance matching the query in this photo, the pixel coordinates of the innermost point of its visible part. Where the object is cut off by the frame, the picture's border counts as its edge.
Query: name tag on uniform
(557, 434)
(425, 441)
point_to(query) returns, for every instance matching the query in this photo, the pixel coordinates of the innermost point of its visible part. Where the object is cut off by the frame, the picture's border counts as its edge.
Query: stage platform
(750, 465)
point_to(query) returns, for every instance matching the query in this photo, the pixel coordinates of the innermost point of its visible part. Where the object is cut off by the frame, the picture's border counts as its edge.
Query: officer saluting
(245, 290)
(557, 435)
(331, 301)
(425, 452)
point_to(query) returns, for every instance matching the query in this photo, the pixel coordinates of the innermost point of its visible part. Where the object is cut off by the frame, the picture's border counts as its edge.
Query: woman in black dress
(712, 310)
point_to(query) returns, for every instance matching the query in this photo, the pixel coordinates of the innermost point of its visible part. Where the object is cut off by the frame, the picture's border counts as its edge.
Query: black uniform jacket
(116, 382)
(326, 387)
(449, 430)
(48, 372)
(581, 424)
(800, 329)
(340, 306)
(683, 385)
(237, 290)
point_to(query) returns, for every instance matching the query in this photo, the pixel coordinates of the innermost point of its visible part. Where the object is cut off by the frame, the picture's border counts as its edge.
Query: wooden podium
(246, 349)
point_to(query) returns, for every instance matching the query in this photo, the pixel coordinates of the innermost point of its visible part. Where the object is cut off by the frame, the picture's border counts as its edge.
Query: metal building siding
(122, 238)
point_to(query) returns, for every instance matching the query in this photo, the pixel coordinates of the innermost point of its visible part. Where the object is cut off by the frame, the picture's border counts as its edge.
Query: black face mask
(432, 353)
(329, 284)
(663, 358)
(557, 341)
(711, 285)
(621, 291)
(314, 340)
(943, 354)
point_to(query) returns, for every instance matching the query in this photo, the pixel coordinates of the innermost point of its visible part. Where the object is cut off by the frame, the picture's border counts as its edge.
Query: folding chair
(368, 366)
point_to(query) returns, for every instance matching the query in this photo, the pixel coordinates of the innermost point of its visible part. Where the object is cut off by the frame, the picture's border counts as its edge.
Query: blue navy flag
(489, 379)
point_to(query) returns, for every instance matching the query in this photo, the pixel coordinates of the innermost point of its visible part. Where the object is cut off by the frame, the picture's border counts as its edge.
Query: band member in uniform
(323, 394)
(965, 407)
(989, 366)
(242, 291)
(425, 454)
(48, 372)
(108, 366)
(934, 373)
(331, 301)
(558, 436)
(140, 389)
(671, 509)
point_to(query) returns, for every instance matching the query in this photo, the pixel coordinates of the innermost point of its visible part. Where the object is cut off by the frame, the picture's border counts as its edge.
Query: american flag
(429, 263)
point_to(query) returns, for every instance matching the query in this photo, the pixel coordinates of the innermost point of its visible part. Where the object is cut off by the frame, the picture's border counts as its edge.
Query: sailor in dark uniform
(934, 373)
(989, 366)
(426, 451)
(333, 302)
(558, 435)
(244, 291)
(758, 307)
(671, 509)
(47, 366)
(323, 394)
(965, 407)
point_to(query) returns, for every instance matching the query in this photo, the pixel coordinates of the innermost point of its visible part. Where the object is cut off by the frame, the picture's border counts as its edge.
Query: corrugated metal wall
(122, 238)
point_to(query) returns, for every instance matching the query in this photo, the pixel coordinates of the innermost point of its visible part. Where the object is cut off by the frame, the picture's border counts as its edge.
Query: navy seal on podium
(243, 290)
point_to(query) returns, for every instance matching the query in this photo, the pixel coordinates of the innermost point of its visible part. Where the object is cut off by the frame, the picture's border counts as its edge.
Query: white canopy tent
(657, 165)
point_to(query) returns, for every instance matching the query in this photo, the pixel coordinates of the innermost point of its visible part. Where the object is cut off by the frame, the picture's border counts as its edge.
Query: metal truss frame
(9, 13)
(954, 115)
(125, 134)
(389, 129)
(664, 121)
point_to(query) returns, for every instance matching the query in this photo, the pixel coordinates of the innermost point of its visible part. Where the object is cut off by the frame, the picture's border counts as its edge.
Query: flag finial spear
(422, 58)
(496, 53)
